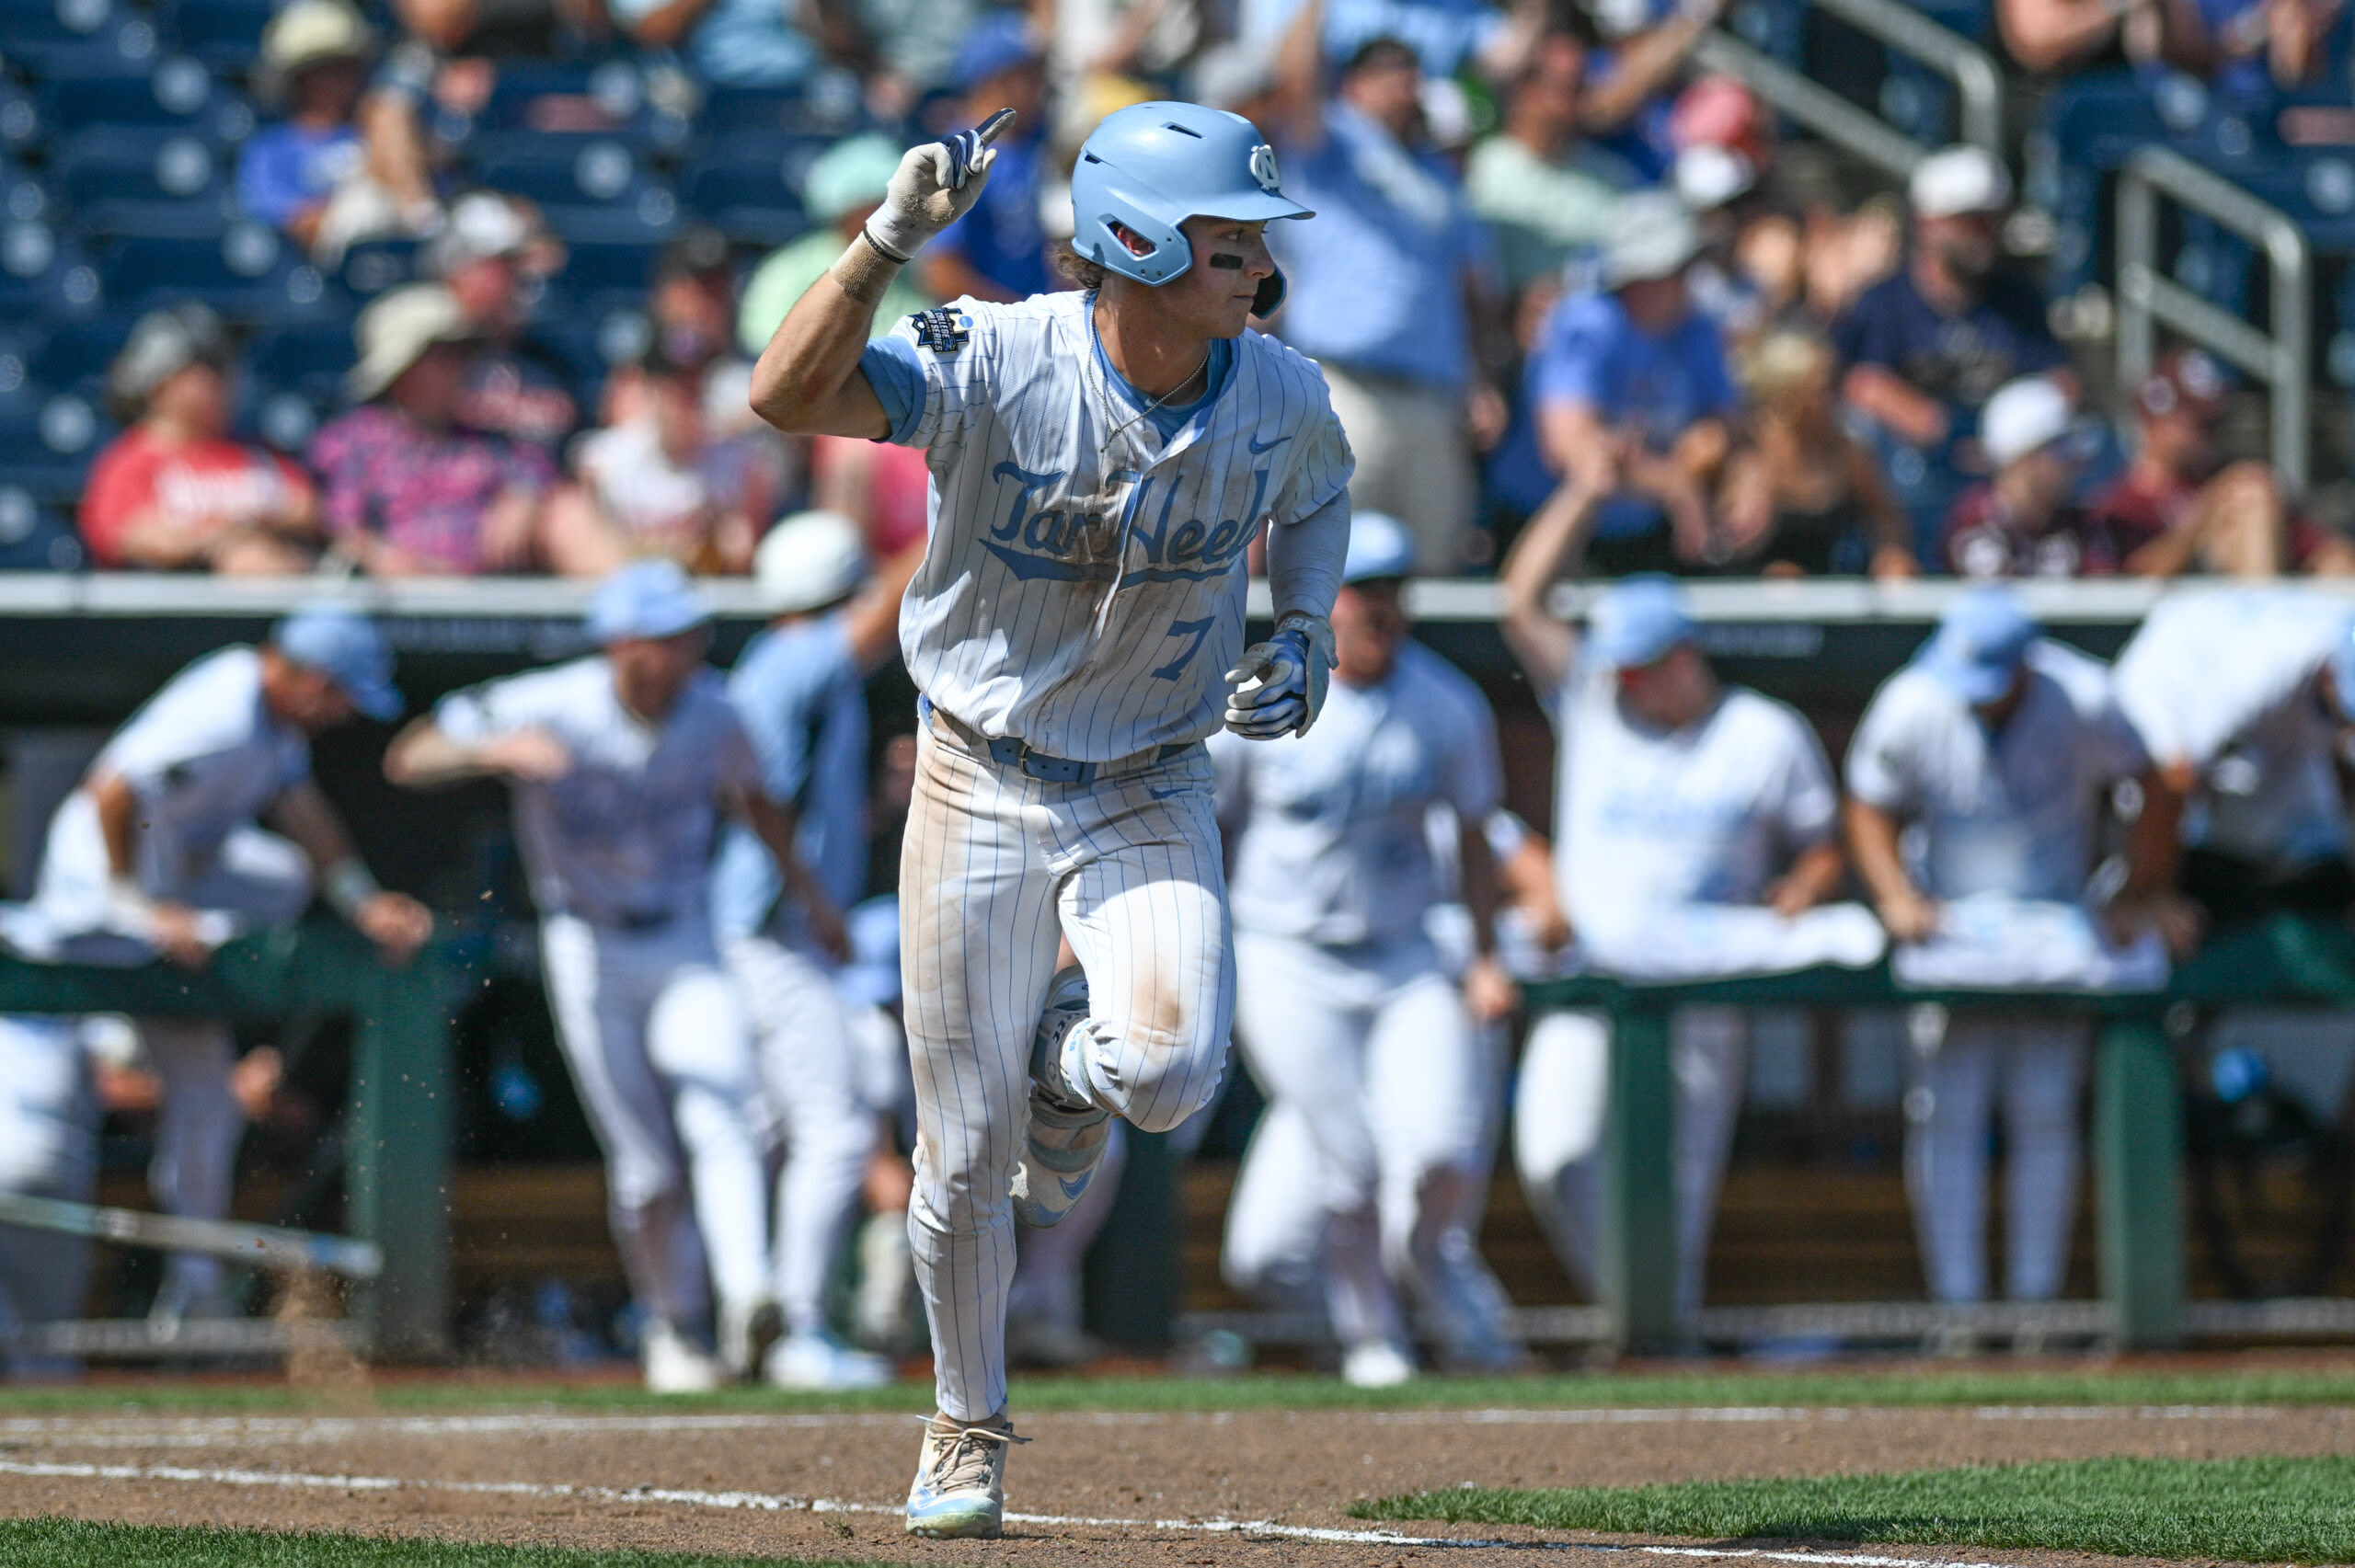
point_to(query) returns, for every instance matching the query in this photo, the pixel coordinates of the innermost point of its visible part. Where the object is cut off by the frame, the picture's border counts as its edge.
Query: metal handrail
(2146, 298)
(1971, 68)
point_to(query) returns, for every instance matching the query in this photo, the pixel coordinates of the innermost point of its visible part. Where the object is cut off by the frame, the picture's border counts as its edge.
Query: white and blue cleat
(959, 1489)
(1065, 1142)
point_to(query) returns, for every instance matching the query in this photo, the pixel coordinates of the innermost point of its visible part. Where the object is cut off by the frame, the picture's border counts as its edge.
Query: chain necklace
(1104, 448)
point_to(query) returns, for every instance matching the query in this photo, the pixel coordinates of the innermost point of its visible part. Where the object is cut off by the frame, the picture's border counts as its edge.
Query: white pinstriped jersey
(1043, 507)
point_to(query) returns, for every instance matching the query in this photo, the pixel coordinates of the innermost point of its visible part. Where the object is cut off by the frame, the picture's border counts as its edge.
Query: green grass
(2254, 1510)
(68, 1544)
(1897, 1384)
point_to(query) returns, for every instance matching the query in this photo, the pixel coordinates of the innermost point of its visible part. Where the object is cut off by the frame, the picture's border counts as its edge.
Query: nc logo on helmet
(1263, 166)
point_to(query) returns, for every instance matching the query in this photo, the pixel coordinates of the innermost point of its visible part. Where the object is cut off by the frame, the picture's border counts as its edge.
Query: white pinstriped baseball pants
(997, 867)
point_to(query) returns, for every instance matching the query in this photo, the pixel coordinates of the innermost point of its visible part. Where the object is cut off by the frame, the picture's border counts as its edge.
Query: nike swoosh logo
(1256, 448)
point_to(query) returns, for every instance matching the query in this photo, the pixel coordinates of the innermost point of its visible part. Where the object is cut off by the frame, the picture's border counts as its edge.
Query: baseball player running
(160, 852)
(1696, 833)
(1100, 460)
(620, 765)
(1996, 749)
(800, 690)
(1349, 1018)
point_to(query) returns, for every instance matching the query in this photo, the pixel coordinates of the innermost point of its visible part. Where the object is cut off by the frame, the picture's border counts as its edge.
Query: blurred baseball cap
(1380, 546)
(809, 560)
(1638, 621)
(481, 225)
(1652, 235)
(309, 31)
(1708, 177)
(995, 45)
(1959, 180)
(1981, 643)
(345, 646)
(849, 174)
(162, 344)
(397, 329)
(2023, 416)
(646, 599)
(2186, 381)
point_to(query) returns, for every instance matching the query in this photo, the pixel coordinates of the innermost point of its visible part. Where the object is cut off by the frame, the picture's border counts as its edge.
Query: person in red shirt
(2174, 510)
(172, 493)
(2020, 523)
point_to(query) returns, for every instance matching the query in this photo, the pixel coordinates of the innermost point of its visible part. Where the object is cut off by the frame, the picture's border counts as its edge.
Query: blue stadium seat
(749, 186)
(828, 111)
(309, 358)
(176, 91)
(248, 273)
(40, 35)
(36, 538)
(224, 34)
(576, 100)
(73, 356)
(568, 174)
(134, 178)
(20, 122)
(46, 449)
(44, 276)
(369, 267)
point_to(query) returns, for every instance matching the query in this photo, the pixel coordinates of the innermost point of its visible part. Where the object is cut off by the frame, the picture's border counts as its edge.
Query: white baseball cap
(2023, 416)
(1707, 176)
(1957, 180)
(1652, 235)
(809, 560)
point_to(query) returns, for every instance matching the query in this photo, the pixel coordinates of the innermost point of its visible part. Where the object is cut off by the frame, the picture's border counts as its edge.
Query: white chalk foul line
(763, 1502)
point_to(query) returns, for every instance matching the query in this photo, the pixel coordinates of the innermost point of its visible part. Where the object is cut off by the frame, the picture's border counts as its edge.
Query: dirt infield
(1179, 1488)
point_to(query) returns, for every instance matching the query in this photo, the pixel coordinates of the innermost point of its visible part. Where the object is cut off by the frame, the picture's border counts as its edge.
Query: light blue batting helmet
(1150, 166)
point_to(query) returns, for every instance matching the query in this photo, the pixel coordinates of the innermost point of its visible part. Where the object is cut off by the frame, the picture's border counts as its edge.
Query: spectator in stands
(495, 30)
(1926, 347)
(491, 256)
(173, 493)
(1802, 498)
(1543, 191)
(1974, 785)
(998, 251)
(348, 163)
(2021, 523)
(843, 187)
(745, 43)
(1391, 295)
(1106, 54)
(409, 491)
(662, 483)
(2249, 46)
(2174, 511)
(2051, 37)
(691, 307)
(1446, 35)
(1626, 105)
(1634, 398)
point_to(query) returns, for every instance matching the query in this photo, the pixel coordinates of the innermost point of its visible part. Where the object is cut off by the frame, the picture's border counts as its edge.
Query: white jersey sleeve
(956, 348)
(1881, 755)
(1805, 804)
(2109, 747)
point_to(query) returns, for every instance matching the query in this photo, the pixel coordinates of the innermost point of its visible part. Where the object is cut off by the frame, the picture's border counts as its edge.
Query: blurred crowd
(1548, 251)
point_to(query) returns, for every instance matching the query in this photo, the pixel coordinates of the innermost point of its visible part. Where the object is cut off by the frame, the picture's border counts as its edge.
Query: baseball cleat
(1065, 1142)
(1376, 1364)
(819, 1361)
(959, 1489)
(673, 1365)
(747, 1329)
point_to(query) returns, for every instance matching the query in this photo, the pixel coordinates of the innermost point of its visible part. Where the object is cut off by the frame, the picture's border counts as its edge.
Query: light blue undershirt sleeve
(897, 376)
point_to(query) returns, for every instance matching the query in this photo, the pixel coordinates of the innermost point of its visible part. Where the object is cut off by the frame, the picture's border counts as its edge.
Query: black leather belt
(1008, 752)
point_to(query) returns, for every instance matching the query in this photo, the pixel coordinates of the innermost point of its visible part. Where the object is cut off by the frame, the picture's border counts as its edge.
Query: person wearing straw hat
(1633, 397)
(348, 163)
(622, 766)
(173, 492)
(800, 690)
(160, 852)
(407, 490)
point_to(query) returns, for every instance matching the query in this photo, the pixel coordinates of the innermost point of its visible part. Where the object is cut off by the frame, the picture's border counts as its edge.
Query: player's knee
(1172, 1088)
(1160, 1062)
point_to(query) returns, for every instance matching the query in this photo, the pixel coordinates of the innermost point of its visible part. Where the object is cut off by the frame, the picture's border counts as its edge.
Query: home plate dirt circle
(1175, 1488)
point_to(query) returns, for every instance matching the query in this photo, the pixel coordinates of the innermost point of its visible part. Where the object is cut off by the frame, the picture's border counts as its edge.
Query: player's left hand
(1279, 686)
(1489, 993)
(396, 924)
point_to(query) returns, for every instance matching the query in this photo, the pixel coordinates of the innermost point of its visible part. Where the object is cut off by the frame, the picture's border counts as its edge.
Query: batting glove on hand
(935, 185)
(1279, 685)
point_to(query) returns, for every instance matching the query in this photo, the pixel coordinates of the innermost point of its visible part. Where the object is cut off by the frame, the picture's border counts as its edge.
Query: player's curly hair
(1088, 274)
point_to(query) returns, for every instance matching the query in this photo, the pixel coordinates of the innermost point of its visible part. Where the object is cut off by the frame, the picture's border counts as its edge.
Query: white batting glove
(935, 185)
(1279, 685)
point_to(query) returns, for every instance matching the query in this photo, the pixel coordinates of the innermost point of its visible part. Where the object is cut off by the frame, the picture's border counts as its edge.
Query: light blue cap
(646, 599)
(1981, 643)
(346, 647)
(1638, 621)
(872, 976)
(848, 174)
(2342, 669)
(1380, 546)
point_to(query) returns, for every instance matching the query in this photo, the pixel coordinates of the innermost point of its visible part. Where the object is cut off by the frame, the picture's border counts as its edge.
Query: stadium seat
(44, 35)
(369, 267)
(223, 34)
(46, 449)
(310, 359)
(20, 122)
(594, 189)
(35, 538)
(73, 356)
(177, 91)
(43, 275)
(749, 186)
(123, 180)
(248, 273)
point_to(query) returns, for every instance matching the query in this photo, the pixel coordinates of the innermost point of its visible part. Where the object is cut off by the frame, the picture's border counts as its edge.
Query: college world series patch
(941, 330)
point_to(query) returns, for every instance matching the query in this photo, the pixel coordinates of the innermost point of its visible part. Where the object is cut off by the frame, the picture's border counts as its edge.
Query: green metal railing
(399, 1121)
(2137, 1119)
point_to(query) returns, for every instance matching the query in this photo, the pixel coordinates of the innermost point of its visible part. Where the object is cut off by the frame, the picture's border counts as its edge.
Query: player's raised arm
(808, 381)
